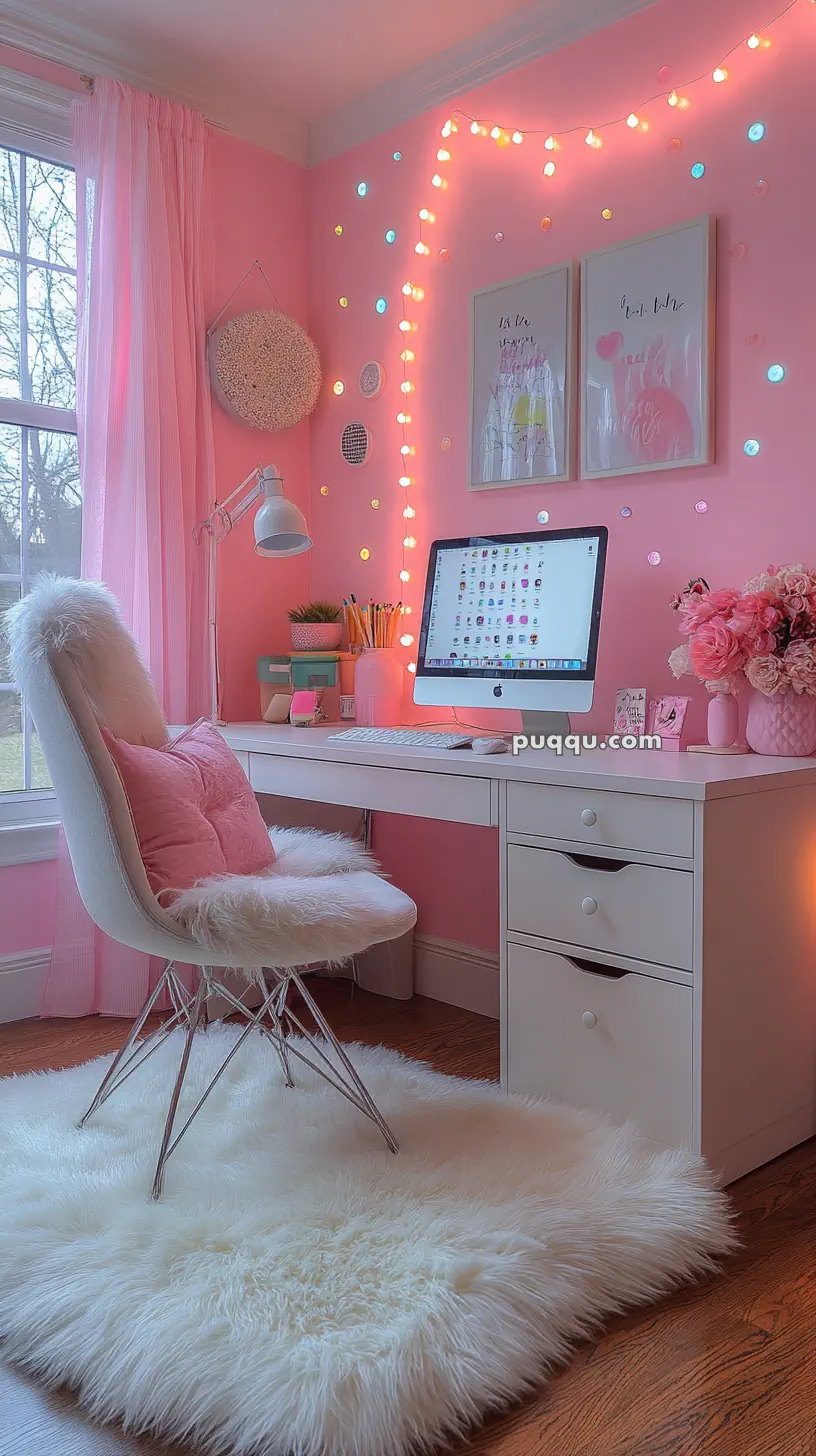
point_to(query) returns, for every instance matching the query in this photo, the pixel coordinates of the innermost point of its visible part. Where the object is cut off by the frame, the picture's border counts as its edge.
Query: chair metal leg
(102, 1092)
(195, 1016)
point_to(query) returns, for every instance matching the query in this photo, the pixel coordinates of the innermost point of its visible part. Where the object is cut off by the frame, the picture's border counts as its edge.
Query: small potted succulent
(316, 627)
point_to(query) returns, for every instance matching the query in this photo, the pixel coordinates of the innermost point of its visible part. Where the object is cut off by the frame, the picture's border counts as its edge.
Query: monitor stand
(544, 723)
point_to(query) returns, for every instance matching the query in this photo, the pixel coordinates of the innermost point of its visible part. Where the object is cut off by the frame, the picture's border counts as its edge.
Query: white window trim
(34, 118)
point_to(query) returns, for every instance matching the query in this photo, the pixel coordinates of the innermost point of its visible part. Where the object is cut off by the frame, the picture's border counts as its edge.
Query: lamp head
(280, 528)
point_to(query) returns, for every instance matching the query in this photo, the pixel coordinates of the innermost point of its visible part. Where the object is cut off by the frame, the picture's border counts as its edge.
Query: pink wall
(759, 509)
(27, 902)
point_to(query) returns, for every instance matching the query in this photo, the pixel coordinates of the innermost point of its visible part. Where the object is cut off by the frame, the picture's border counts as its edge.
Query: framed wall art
(522, 380)
(647, 352)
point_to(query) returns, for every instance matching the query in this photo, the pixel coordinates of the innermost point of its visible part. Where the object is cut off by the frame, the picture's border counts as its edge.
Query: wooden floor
(727, 1368)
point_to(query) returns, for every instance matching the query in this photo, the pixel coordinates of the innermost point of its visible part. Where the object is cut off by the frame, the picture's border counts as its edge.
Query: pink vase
(378, 685)
(723, 720)
(784, 725)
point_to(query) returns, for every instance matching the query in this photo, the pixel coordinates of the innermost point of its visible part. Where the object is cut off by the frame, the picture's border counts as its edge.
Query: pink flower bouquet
(764, 634)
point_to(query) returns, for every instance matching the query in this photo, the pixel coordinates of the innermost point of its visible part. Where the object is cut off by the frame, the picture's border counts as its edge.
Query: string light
(592, 140)
(403, 419)
(422, 248)
(719, 74)
(409, 543)
(409, 513)
(404, 575)
(405, 449)
(474, 126)
(437, 181)
(632, 120)
(406, 386)
(405, 610)
(443, 155)
(405, 326)
(405, 481)
(495, 133)
(549, 169)
(550, 144)
(406, 639)
(753, 42)
(517, 137)
(407, 356)
(412, 667)
(426, 216)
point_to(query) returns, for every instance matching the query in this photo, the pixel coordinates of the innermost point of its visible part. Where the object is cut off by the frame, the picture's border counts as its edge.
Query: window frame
(29, 818)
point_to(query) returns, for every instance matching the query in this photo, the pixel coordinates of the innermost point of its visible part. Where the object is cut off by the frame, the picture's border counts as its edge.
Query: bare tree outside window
(40, 502)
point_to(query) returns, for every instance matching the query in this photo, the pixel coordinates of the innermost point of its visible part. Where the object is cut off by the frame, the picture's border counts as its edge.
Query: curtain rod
(89, 83)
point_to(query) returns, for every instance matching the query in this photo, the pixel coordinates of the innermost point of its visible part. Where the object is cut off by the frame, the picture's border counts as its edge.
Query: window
(40, 503)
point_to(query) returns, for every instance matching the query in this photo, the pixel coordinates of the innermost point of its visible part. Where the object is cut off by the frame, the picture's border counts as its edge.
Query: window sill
(28, 843)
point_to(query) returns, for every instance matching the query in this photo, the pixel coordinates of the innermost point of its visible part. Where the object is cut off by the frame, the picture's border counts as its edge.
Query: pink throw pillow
(194, 812)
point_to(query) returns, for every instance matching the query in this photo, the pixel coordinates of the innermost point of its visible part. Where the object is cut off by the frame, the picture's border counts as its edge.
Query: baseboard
(22, 977)
(459, 974)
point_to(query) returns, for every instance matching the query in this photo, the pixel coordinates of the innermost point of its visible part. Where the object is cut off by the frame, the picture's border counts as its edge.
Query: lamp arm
(221, 521)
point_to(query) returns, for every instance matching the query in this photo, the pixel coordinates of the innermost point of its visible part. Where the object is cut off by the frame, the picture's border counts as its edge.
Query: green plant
(315, 612)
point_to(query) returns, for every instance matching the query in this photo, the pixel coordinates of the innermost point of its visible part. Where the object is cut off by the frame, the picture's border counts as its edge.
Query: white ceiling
(277, 71)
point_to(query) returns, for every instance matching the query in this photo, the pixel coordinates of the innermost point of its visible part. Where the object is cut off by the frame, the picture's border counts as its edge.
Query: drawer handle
(592, 968)
(589, 1019)
(588, 905)
(597, 862)
(588, 817)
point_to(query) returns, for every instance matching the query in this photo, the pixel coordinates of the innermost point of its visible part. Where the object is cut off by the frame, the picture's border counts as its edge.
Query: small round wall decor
(372, 379)
(265, 369)
(355, 443)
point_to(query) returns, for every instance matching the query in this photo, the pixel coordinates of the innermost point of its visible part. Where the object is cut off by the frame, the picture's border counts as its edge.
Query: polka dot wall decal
(343, 302)
(381, 305)
(756, 131)
(653, 558)
(738, 250)
(375, 504)
(626, 511)
(673, 144)
(698, 170)
(776, 373)
(338, 386)
(762, 187)
(444, 255)
(543, 517)
(362, 189)
(324, 490)
(499, 237)
(445, 443)
(701, 507)
(664, 74)
(338, 231)
(606, 214)
(751, 447)
(545, 224)
(364, 553)
(397, 156)
(754, 340)
(391, 236)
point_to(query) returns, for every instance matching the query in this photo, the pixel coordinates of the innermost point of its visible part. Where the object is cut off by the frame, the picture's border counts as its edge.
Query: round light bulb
(719, 74)
(549, 169)
(550, 144)
(421, 248)
(495, 132)
(405, 611)
(447, 128)
(405, 575)
(517, 137)
(406, 288)
(405, 481)
(753, 42)
(406, 386)
(590, 138)
(338, 386)
(409, 513)
(412, 667)
(443, 155)
(632, 120)
(404, 326)
(406, 640)
(403, 419)
(409, 543)
(407, 356)
(436, 180)
(673, 98)
(474, 126)
(405, 449)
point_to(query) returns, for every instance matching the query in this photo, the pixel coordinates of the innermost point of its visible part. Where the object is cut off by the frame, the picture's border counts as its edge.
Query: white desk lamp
(280, 530)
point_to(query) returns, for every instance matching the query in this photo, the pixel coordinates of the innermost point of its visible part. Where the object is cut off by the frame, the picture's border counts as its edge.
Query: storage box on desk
(319, 670)
(274, 678)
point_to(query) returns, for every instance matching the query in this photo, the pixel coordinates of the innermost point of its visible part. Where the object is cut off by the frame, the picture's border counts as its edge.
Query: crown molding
(539, 29)
(57, 33)
(34, 113)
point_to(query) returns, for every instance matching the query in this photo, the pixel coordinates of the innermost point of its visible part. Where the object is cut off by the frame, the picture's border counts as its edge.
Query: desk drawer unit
(615, 1041)
(627, 909)
(596, 816)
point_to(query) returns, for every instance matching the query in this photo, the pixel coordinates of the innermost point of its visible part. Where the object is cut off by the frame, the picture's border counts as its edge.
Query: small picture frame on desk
(630, 711)
(667, 718)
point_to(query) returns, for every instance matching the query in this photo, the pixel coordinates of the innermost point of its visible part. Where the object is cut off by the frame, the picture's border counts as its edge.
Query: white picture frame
(523, 380)
(647, 352)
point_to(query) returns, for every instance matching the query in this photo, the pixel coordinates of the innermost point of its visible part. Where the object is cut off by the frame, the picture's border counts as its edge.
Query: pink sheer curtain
(145, 444)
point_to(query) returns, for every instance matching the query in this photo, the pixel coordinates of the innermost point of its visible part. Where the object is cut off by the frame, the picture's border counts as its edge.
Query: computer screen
(524, 607)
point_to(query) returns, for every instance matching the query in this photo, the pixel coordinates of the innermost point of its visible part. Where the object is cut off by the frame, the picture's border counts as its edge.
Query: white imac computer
(512, 621)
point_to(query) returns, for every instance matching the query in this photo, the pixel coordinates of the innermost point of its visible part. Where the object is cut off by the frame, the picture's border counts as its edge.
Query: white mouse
(489, 745)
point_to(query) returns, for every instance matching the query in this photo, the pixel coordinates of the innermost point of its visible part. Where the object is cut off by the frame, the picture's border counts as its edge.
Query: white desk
(658, 921)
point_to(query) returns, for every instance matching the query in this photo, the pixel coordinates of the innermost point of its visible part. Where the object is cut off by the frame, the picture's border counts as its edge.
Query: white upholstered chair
(79, 668)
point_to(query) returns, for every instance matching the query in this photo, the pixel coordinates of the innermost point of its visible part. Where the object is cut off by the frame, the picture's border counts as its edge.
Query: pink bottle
(723, 720)
(378, 685)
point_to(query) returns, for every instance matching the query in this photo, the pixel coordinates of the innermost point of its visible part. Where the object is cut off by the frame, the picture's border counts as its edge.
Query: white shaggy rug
(299, 1288)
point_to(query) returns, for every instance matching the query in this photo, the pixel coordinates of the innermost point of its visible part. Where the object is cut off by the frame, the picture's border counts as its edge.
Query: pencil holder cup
(378, 684)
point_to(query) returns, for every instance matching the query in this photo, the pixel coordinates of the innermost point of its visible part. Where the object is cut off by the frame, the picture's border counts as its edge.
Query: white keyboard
(414, 738)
